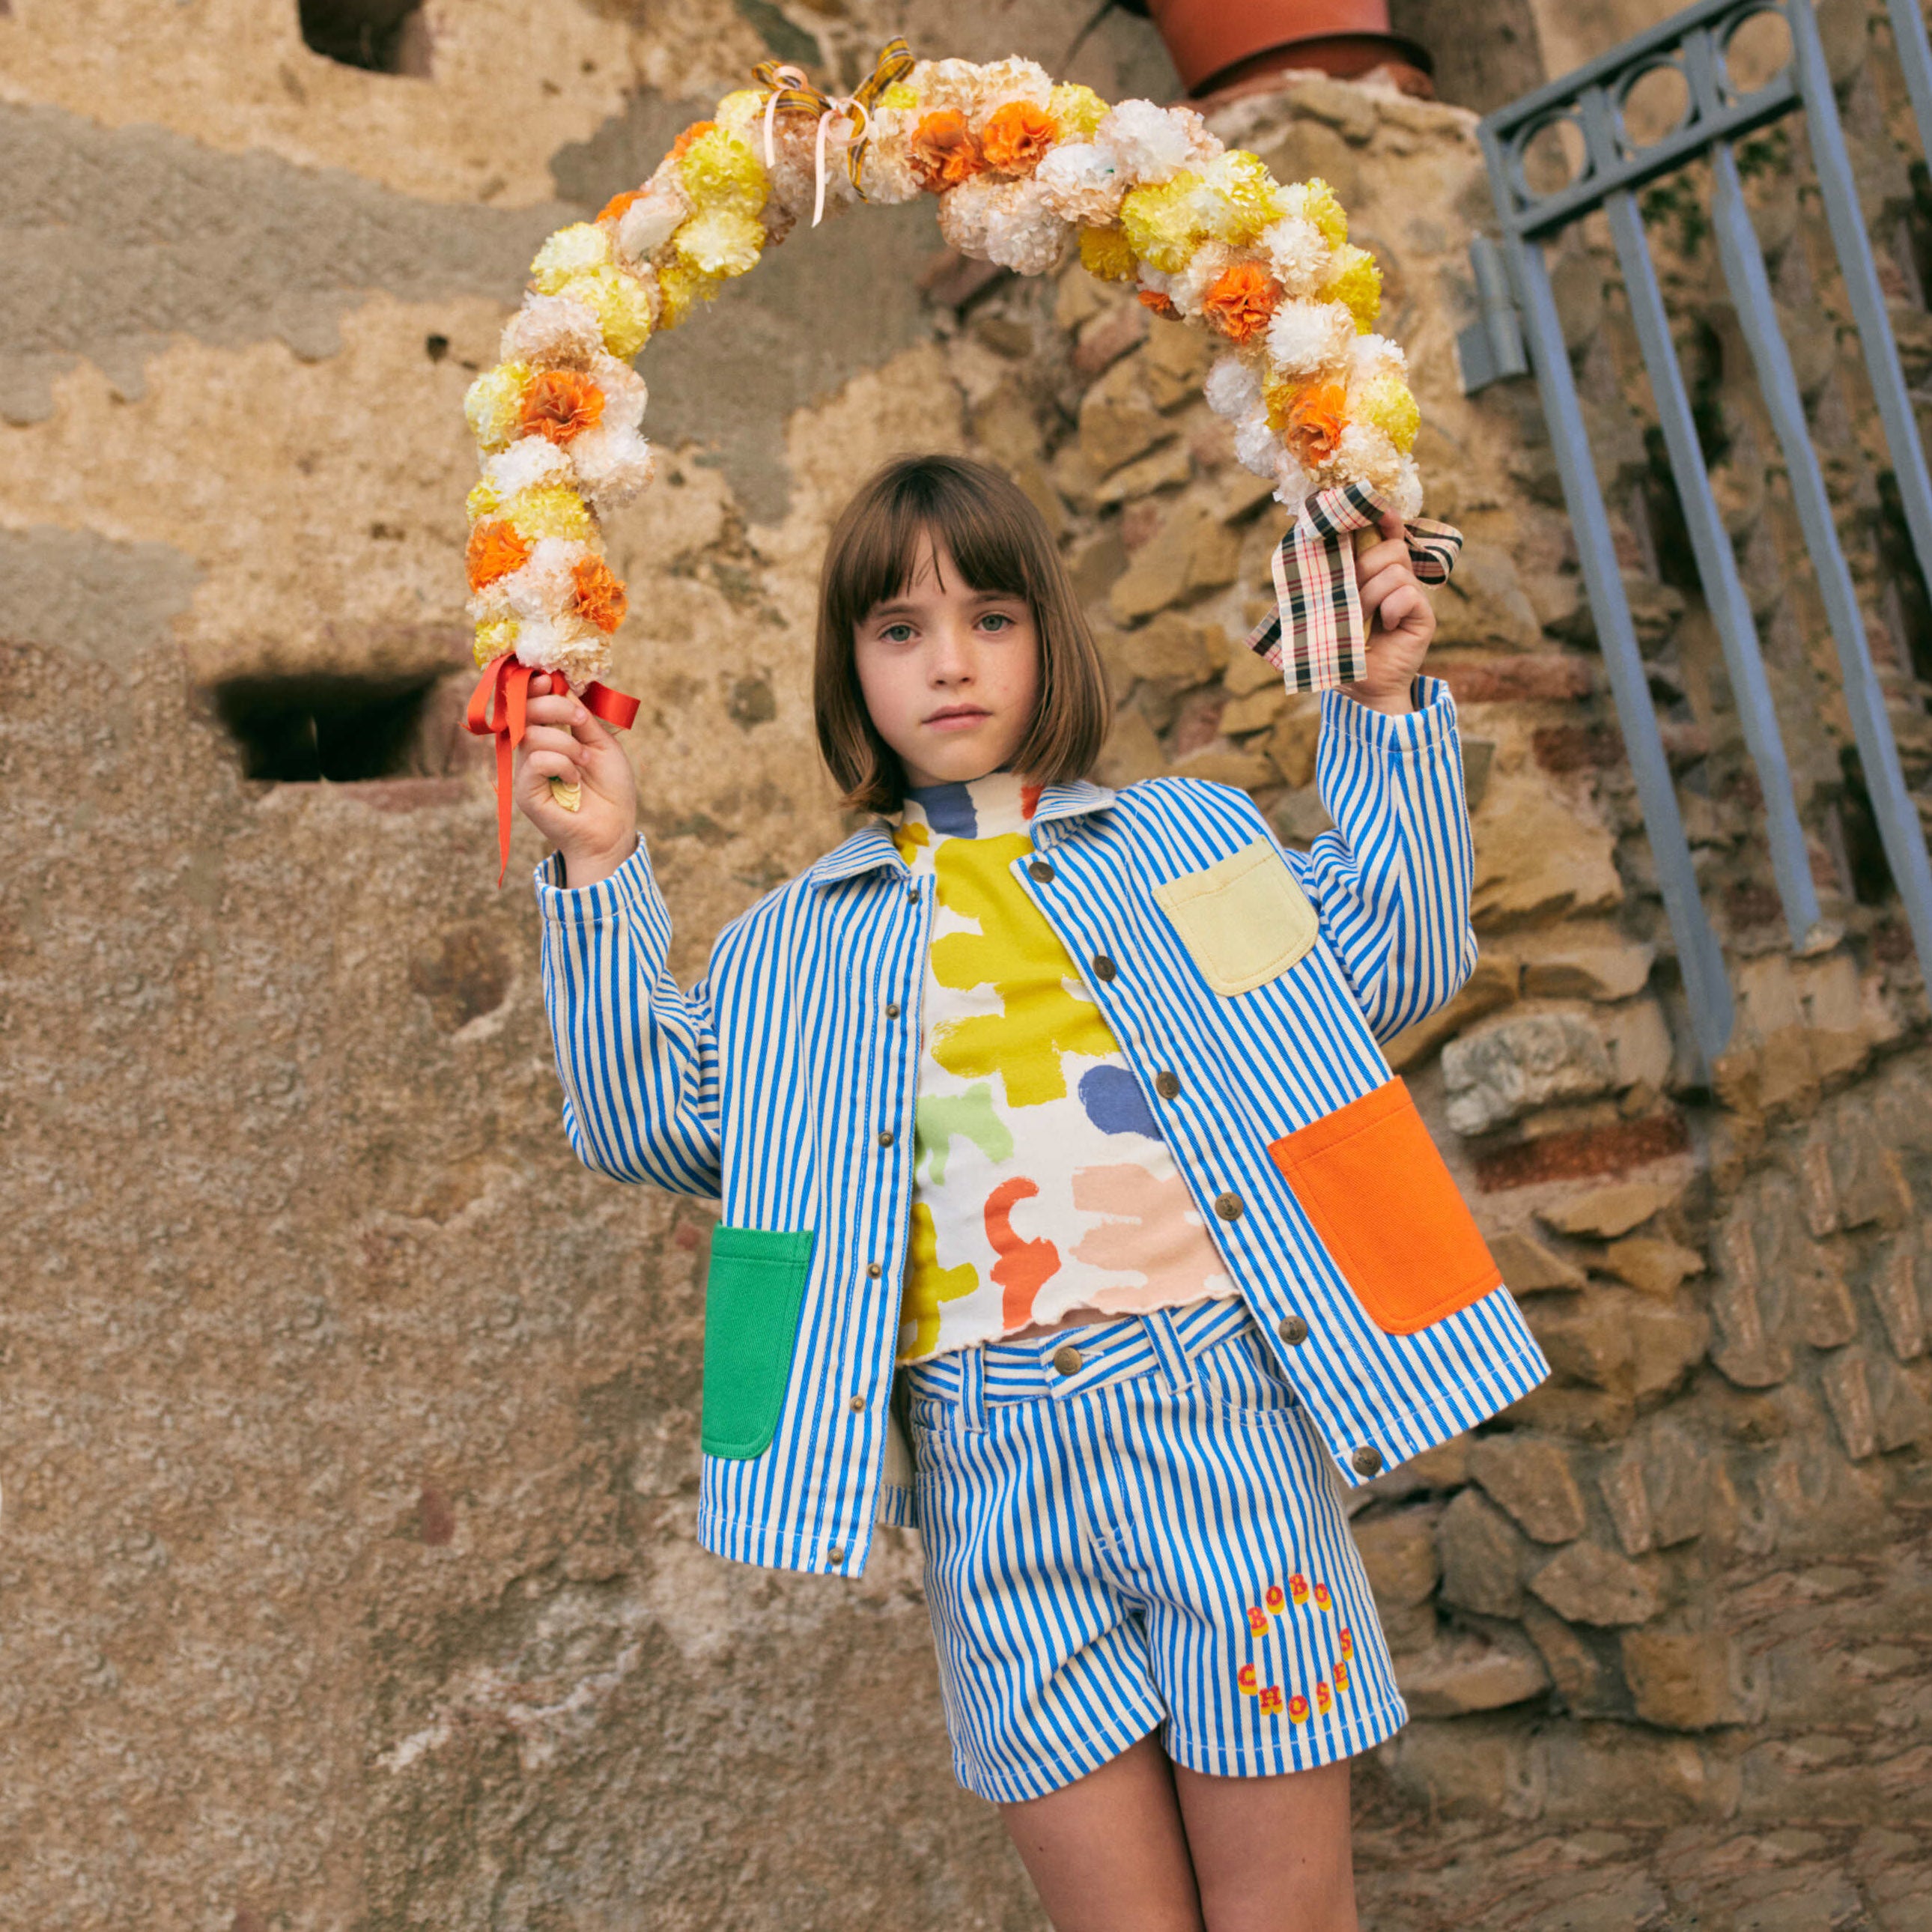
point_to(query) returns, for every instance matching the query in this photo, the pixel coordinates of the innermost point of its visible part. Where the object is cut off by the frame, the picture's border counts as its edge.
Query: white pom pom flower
(1012, 79)
(946, 83)
(613, 463)
(1149, 145)
(1082, 183)
(1022, 232)
(964, 213)
(568, 644)
(1233, 388)
(1367, 452)
(1293, 485)
(1306, 338)
(530, 462)
(886, 172)
(1208, 263)
(552, 331)
(1405, 493)
(1256, 445)
(624, 393)
(650, 221)
(1375, 358)
(1297, 253)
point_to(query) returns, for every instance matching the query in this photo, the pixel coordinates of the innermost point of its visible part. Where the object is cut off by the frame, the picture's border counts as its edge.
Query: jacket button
(1367, 1460)
(885, 1137)
(892, 1010)
(873, 1269)
(836, 1554)
(1068, 1360)
(912, 892)
(1041, 871)
(1292, 1330)
(857, 1405)
(1167, 1085)
(1104, 968)
(1229, 1207)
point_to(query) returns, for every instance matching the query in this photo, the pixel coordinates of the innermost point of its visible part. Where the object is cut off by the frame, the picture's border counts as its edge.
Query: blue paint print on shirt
(1115, 1102)
(948, 808)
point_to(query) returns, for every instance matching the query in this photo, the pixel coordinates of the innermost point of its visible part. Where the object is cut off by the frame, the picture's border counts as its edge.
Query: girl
(1061, 1111)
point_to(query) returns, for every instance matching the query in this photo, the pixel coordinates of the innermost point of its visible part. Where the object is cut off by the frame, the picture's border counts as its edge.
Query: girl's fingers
(552, 765)
(1379, 557)
(551, 738)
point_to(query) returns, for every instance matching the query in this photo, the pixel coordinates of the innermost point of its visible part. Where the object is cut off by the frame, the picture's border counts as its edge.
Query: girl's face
(949, 674)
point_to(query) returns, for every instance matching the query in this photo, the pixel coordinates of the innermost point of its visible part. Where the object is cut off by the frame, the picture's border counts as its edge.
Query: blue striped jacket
(783, 1085)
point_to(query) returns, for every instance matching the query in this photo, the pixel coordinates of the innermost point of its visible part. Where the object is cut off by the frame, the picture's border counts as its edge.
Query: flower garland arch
(1027, 172)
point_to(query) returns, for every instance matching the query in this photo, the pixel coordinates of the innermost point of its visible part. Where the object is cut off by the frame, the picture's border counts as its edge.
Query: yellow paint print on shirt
(1015, 952)
(927, 1284)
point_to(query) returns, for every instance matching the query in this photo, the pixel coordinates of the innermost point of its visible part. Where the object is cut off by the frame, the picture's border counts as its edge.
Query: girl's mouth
(957, 717)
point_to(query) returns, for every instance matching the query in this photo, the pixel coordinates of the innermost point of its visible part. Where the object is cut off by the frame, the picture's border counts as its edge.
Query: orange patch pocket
(1369, 1178)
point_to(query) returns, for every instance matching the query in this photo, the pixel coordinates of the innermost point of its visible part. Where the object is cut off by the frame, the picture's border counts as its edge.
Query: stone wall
(347, 1428)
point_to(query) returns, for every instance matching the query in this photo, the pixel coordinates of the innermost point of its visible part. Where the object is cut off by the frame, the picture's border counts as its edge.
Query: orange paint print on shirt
(1025, 1266)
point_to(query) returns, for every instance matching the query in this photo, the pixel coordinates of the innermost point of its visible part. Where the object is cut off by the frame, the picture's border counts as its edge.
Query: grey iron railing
(1515, 284)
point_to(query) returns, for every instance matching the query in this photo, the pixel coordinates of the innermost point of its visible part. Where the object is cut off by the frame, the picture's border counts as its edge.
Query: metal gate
(1588, 109)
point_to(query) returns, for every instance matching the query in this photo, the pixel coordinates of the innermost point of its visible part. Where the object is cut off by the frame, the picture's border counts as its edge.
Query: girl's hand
(564, 741)
(1401, 622)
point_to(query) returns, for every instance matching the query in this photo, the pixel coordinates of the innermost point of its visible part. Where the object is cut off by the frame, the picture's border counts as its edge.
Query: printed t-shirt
(1041, 1184)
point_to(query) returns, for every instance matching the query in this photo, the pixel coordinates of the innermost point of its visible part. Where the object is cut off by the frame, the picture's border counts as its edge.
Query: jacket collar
(870, 849)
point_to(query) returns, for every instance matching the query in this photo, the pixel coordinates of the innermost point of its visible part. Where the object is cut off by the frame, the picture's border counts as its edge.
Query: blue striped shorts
(1148, 1537)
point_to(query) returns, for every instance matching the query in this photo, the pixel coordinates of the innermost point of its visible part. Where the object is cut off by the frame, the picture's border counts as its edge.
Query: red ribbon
(499, 708)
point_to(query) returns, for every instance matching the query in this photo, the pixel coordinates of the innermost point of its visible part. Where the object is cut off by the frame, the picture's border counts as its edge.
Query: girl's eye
(998, 619)
(897, 633)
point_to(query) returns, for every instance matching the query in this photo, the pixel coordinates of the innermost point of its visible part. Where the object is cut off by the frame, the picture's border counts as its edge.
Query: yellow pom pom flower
(1386, 404)
(739, 111)
(720, 170)
(1357, 283)
(682, 289)
(621, 304)
(1105, 252)
(1239, 198)
(1314, 200)
(1159, 223)
(493, 402)
(899, 95)
(1076, 111)
(493, 637)
(549, 510)
(720, 242)
(485, 499)
(569, 252)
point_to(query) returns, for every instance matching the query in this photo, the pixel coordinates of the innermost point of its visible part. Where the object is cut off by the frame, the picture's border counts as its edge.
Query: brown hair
(1000, 543)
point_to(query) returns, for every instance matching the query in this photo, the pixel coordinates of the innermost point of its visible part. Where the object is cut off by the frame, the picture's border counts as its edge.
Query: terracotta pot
(1217, 44)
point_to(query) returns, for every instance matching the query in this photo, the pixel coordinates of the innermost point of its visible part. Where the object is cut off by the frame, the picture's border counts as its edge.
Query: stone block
(1638, 1038)
(1299, 818)
(1118, 421)
(1549, 677)
(1162, 469)
(1483, 603)
(1900, 1413)
(1512, 1066)
(1224, 764)
(1895, 1286)
(1605, 1775)
(1479, 757)
(1667, 1341)
(1594, 962)
(1527, 1266)
(1131, 753)
(1291, 744)
(1605, 1213)
(1651, 1263)
(1586, 1583)
(1474, 1768)
(1255, 712)
(1104, 338)
(1625, 1497)
(1867, 1178)
(1173, 364)
(1350, 111)
(1682, 1680)
(1246, 671)
(1535, 1479)
(1680, 1482)
(1536, 860)
(1170, 650)
(1586, 1336)
(1482, 1555)
(1581, 1673)
(1191, 550)
(1472, 1670)
(1398, 1551)
(1578, 1413)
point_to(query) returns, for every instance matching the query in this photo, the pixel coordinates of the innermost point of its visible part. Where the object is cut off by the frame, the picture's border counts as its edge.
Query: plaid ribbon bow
(789, 91)
(1315, 635)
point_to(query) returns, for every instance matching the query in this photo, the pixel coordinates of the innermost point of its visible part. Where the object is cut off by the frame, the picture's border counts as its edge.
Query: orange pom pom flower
(600, 593)
(1016, 137)
(559, 404)
(494, 550)
(1240, 300)
(1161, 304)
(1315, 420)
(613, 210)
(943, 151)
(696, 131)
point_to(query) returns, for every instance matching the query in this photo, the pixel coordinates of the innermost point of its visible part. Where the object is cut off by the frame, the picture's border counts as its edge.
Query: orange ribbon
(499, 708)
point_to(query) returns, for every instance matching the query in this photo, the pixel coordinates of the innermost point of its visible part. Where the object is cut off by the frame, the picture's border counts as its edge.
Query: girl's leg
(1271, 1854)
(1108, 1853)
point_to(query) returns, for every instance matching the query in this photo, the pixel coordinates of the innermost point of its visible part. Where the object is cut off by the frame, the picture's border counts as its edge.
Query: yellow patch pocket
(1243, 919)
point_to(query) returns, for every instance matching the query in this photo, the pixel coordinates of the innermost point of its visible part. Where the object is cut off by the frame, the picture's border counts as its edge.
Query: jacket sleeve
(1391, 882)
(637, 1058)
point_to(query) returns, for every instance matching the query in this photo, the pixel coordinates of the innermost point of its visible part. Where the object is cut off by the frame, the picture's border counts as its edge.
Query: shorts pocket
(1243, 919)
(751, 1299)
(1237, 1378)
(1369, 1178)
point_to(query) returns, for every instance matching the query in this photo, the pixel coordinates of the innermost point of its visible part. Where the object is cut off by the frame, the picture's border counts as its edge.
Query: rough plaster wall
(346, 1428)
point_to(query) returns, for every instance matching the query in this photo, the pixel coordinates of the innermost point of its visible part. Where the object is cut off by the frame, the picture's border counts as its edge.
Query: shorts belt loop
(1168, 1350)
(973, 1389)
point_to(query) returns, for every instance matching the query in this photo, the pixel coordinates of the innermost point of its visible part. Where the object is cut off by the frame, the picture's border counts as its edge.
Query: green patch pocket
(751, 1298)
